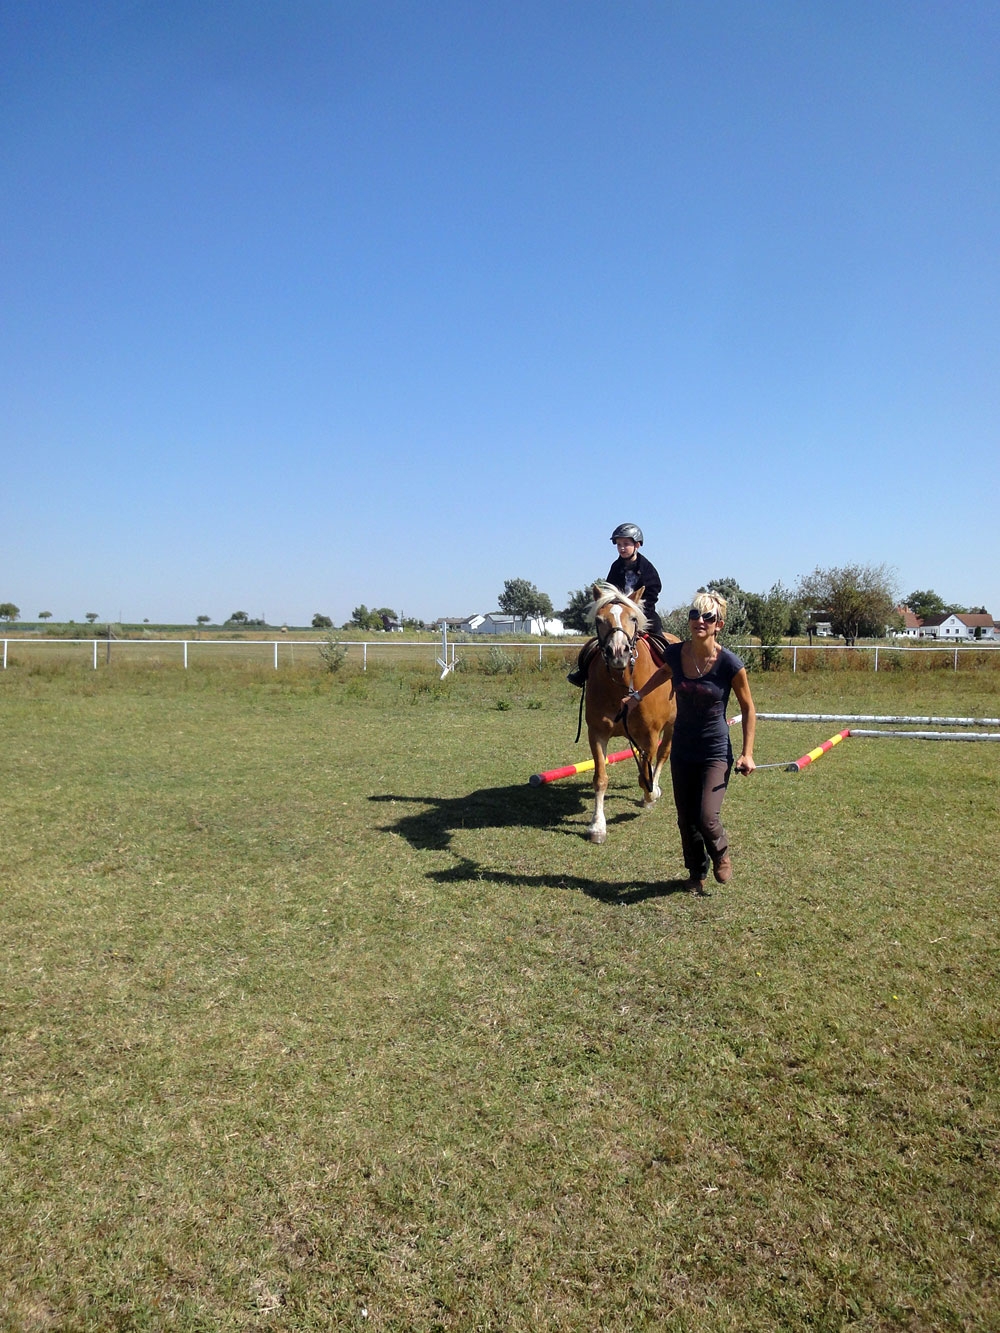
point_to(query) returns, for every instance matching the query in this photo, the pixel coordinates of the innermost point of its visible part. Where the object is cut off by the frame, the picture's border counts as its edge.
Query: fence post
(795, 657)
(5, 654)
(185, 654)
(364, 656)
(956, 656)
(876, 659)
(276, 654)
(95, 654)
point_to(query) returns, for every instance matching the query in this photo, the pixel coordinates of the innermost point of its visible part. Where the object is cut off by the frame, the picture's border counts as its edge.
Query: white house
(502, 622)
(458, 624)
(959, 627)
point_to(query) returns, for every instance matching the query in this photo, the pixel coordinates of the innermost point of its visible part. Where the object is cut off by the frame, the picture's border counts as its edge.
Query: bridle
(604, 642)
(643, 760)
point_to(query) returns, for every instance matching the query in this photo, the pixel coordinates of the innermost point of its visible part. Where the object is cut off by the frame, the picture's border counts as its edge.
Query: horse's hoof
(596, 835)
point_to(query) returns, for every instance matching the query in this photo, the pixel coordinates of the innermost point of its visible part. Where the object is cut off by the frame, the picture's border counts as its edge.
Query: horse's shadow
(432, 828)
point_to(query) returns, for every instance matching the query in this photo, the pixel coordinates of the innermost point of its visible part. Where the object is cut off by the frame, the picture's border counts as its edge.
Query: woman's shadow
(432, 827)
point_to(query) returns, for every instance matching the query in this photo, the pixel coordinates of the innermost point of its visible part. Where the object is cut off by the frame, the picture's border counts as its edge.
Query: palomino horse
(625, 663)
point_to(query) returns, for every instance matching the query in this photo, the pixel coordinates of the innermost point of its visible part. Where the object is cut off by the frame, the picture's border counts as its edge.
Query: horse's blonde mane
(605, 593)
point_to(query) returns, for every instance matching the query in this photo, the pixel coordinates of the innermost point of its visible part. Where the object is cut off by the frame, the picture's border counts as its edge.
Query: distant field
(172, 646)
(313, 1014)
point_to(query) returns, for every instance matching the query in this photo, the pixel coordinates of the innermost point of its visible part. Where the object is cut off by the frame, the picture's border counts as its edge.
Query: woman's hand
(745, 765)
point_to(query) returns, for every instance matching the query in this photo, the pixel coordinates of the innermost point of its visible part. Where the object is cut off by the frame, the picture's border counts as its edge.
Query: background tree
(362, 618)
(858, 600)
(91, 617)
(45, 615)
(738, 628)
(521, 598)
(924, 603)
(770, 612)
(321, 622)
(203, 620)
(8, 611)
(383, 617)
(238, 618)
(574, 614)
(675, 621)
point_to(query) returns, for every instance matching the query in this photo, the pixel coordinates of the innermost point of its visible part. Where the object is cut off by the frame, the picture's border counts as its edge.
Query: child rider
(630, 571)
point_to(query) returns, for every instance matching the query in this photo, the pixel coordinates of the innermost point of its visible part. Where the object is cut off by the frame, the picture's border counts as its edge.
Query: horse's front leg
(662, 753)
(598, 830)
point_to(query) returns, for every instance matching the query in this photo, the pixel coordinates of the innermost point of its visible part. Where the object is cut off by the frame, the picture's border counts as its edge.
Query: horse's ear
(638, 595)
(596, 592)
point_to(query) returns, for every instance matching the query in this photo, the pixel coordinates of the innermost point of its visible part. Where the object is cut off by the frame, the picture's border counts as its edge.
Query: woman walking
(701, 757)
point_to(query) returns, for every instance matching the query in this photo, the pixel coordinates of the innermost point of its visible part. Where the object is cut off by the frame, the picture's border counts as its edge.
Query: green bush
(498, 663)
(332, 653)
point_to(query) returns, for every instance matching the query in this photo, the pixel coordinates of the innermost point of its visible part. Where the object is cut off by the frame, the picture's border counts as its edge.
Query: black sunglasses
(709, 617)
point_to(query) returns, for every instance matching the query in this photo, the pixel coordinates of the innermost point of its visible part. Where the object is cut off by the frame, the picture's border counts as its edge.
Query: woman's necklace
(710, 662)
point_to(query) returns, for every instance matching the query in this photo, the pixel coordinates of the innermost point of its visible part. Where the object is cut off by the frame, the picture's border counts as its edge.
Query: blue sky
(304, 305)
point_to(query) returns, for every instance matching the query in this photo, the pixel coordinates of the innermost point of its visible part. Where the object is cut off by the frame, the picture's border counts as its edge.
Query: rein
(642, 759)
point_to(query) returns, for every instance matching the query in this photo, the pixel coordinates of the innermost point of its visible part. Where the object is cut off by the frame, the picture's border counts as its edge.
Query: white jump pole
(869, 717)
(933, 735)
(442, 661)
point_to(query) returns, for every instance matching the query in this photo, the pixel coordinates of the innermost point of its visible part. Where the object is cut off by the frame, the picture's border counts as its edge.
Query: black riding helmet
(630, 531)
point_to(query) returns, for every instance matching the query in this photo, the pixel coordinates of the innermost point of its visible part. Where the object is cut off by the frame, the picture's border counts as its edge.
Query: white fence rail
(445, 653)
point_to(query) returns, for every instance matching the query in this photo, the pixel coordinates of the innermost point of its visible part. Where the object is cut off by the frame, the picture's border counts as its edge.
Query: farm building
(503, 622)
(959, 626)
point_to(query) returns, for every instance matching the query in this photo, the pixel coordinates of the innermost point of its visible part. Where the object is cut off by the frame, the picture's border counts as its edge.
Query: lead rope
(642, 759)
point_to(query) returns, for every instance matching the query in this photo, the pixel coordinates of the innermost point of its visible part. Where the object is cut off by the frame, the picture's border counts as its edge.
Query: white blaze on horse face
(620, 651)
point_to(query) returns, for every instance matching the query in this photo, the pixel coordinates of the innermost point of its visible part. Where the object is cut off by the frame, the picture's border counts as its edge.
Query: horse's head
(618, 622)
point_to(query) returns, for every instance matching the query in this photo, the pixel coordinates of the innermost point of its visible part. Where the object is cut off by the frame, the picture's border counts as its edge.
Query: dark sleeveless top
(700, 731)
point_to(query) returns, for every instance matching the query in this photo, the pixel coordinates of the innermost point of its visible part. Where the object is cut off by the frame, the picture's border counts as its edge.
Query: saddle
(656, 645)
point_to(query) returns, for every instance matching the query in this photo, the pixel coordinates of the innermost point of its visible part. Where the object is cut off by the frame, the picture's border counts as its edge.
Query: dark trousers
(699, 788)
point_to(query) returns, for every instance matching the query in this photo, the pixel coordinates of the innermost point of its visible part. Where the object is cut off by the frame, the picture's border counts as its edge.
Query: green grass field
(313, 1014)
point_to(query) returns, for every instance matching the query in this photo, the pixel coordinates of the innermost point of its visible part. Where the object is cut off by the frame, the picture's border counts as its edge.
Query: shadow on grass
(622, 894)
(431, 828)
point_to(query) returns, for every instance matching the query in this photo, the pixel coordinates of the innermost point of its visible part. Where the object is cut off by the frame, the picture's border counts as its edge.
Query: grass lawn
(313, 1014)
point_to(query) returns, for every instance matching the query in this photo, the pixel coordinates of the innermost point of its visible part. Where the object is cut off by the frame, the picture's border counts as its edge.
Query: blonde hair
(710, 601)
